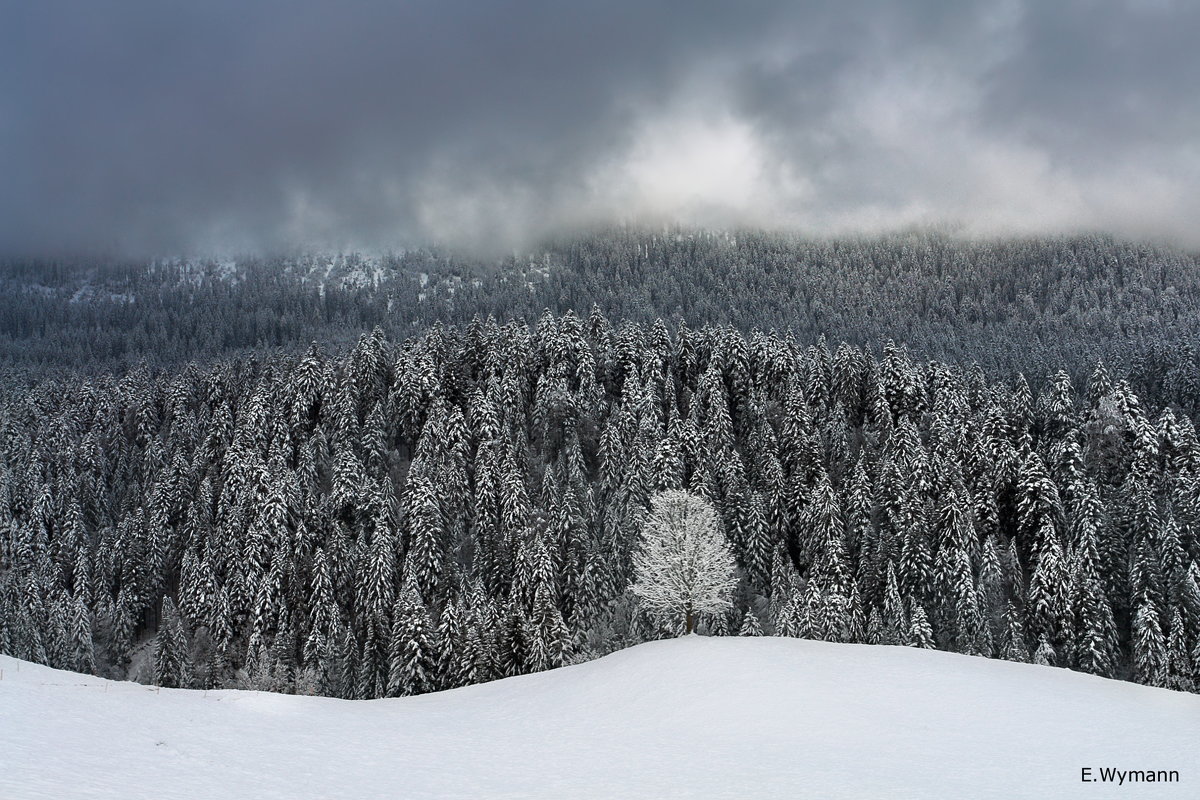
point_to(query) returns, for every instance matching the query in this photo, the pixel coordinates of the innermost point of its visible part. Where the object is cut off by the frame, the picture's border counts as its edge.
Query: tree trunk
(691, 622)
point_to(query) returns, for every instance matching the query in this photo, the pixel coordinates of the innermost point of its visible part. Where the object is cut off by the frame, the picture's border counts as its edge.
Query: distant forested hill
(1025, 305)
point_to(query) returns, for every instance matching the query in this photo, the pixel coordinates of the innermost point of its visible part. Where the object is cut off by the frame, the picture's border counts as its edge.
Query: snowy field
(695, 717)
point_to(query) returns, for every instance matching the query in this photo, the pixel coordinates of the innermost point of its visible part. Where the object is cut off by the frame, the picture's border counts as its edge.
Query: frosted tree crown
(684, 565)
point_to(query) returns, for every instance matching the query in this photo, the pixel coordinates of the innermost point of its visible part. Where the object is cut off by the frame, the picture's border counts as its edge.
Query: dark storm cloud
(164, 126)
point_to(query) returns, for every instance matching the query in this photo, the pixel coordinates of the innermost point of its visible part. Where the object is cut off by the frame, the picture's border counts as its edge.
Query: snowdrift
(694, 717)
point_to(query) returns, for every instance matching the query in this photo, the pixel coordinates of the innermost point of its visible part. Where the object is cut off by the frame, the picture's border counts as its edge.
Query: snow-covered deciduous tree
(684, 566)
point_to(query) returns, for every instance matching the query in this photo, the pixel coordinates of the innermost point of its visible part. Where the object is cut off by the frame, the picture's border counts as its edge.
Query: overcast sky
(155, 126)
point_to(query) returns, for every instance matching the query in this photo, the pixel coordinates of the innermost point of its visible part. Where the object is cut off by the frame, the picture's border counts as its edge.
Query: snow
(693, 717)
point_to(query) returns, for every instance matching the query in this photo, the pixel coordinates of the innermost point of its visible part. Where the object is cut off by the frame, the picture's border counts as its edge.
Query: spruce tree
(1012, 640)
(876, 632)
(1049, 593)
(546, 634)
(1094, 625)
(1149, 647)
(171, 660)
(750, 624)
(1179, 661)
(83, 647)
(411, 651)
(920, 634)
(1045, 654)
(896, 624)
(451, 669)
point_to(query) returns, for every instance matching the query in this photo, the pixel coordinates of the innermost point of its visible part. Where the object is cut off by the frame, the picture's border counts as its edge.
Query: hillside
(1011, 305)
(695, 717)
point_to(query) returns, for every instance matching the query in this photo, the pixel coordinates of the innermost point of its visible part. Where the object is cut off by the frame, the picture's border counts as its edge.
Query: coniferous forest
(440, 493)
(1030, 306)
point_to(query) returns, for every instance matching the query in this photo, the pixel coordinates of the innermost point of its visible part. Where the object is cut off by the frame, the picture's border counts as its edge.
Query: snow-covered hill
(695, 717)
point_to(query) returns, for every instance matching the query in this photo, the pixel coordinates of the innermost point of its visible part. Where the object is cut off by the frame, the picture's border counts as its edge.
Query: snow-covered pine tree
(1094, 626)
(1149, 647)
(547, 634)
(788, 618)
(1013, 646)
(895, 620)
(991, 584)
(426, 533)
(750, 625)
(1179, 660)
(1045, 654)
(1049, 594)
(412, 654)
(511, 654)
(82, 644)
(171, 659)
(921, 634)
(450, 670)
(916, 568)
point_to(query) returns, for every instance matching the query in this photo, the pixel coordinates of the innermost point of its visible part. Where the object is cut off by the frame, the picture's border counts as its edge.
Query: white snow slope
(694, 717)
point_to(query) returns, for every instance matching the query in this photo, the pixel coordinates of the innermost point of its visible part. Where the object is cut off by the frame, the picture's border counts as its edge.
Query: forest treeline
(1030, 306)
(464, 504)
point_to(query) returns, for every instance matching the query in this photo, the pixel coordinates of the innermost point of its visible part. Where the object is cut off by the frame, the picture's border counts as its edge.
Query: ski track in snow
(686, 718)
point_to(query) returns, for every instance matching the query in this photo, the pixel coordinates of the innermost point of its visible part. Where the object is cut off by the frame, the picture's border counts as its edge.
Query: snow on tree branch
(684, 566)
